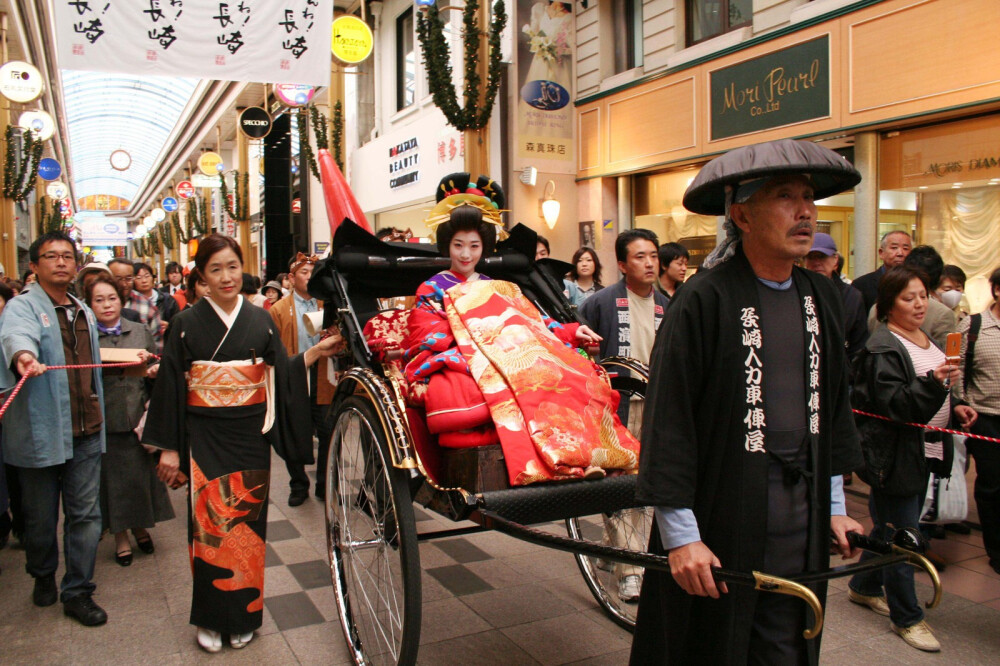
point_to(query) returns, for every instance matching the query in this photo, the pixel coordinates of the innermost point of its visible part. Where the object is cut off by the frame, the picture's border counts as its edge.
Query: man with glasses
(145, 284)
(54, 429)
(149, 315)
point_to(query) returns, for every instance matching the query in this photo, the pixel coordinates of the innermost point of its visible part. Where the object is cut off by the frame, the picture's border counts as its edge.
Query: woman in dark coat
(905, 377)
(132, 498)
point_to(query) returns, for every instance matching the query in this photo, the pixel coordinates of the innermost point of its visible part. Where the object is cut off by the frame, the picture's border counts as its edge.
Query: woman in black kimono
(225, 394)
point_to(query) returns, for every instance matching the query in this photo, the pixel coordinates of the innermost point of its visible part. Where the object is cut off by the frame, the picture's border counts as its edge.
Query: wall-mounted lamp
(550, 207)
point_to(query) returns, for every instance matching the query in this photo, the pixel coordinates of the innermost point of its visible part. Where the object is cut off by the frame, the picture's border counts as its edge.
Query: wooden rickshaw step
(477, 469)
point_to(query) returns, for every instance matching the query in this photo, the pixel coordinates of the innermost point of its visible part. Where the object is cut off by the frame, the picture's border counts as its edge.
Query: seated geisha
(489, 368)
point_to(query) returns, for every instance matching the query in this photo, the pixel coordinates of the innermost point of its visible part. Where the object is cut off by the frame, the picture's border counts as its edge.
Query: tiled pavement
(487, 599)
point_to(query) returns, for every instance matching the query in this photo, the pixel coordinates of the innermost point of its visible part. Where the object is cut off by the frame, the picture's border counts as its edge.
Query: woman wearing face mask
(951, 291)
(132, 498)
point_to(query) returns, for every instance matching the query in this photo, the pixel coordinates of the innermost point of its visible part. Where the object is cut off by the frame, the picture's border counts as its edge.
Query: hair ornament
(457, 190)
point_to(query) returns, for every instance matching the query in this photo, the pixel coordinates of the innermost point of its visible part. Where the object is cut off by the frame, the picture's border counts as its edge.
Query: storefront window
(657, 203)
(951, 173)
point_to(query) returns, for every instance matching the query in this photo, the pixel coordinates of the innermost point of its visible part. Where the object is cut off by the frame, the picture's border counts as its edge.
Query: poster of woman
(545, 79)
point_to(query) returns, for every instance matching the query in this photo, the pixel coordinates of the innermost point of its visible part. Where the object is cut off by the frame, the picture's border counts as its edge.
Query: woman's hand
(152, 370)
(966, 416)
(169, 467)
(585, 336)
(946, 373)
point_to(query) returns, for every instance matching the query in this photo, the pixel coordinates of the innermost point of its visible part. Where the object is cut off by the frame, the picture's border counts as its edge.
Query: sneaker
(210, 641)
(877, 604)
(45, 593)
(628, 588)
(85, 610)
(918, 636)
(238, 641)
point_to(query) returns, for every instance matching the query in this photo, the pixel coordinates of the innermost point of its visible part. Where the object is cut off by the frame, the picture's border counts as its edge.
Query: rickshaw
(382, 458)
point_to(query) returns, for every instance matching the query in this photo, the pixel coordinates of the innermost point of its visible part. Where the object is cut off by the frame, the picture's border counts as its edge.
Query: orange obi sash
(232, 384)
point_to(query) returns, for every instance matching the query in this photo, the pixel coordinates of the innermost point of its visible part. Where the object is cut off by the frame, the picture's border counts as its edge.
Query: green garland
(175, 222)
(168, 238)
(15, 185)
(437, 62)
(305, 150)
(201, 216)
(51, 221)
(338, 134)
(240, 210)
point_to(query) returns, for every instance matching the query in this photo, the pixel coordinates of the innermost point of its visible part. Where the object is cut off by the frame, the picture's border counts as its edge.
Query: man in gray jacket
(54, 429)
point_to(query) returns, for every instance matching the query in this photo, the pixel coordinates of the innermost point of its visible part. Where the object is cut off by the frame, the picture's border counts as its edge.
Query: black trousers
(987, 491)
(322, 420)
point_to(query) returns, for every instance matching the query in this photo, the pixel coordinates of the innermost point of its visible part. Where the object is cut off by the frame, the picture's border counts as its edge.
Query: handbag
(947, 500)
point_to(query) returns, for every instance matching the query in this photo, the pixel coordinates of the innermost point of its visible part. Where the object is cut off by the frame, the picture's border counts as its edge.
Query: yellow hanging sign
(352, 40)
(210, 163)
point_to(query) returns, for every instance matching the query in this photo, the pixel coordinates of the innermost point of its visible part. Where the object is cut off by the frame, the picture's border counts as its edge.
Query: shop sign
(296, 206)
(782, 88)
(352, 40)
(320, 248)
(49, 169)
(57, 190)
(201, 180)
(39, 122)
(169, 204)
(294, 94)
(404, 163)
(210, 163)
(158, 214)
(546, 44)
(185, 189)
(255, 122)
(102, 231)
(21, 82)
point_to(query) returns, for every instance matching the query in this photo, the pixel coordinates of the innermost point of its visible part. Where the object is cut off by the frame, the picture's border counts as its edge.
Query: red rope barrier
(924, 426)
(17, 388)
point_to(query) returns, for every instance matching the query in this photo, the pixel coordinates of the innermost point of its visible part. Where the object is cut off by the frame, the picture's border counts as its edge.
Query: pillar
(865, 232)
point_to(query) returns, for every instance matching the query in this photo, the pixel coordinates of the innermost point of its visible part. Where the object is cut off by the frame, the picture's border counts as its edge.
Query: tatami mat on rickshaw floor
(487, 599)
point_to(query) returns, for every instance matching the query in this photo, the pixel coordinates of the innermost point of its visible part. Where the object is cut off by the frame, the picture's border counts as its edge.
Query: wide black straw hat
(830, 173)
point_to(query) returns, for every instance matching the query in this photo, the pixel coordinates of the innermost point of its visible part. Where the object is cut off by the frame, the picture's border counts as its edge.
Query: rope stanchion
(924, 426)
(20, 384)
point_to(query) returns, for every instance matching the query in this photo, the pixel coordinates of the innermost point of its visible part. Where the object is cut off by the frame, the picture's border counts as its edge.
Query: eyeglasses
(126, 278)
(68, 257)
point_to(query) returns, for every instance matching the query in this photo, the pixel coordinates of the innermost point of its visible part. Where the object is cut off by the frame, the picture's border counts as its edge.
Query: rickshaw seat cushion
(386, 331)
(469, 439)
(454, 402)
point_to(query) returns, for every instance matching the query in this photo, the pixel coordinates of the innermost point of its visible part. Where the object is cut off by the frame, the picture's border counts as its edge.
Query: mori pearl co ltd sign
(782, 88)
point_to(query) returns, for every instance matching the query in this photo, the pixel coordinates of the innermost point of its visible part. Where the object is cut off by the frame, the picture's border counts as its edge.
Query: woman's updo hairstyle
(463, 205)
(211, 244)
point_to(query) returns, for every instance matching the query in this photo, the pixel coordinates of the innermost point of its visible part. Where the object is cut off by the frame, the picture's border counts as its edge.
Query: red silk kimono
(552, 409)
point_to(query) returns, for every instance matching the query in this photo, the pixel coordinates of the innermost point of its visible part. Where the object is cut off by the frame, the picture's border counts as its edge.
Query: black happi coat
(194, 335)
(694, 456)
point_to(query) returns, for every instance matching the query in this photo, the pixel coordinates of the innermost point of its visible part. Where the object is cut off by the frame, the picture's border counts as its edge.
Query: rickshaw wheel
(628, 528)
(372, 540)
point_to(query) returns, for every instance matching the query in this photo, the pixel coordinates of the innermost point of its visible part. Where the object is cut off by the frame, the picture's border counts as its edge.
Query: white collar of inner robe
(230, 318)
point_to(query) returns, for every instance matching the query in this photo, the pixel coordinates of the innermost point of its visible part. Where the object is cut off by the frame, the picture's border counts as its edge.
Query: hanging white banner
(238, 40)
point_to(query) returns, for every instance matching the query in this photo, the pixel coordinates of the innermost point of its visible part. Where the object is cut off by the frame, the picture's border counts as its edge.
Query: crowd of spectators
(896, 321)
